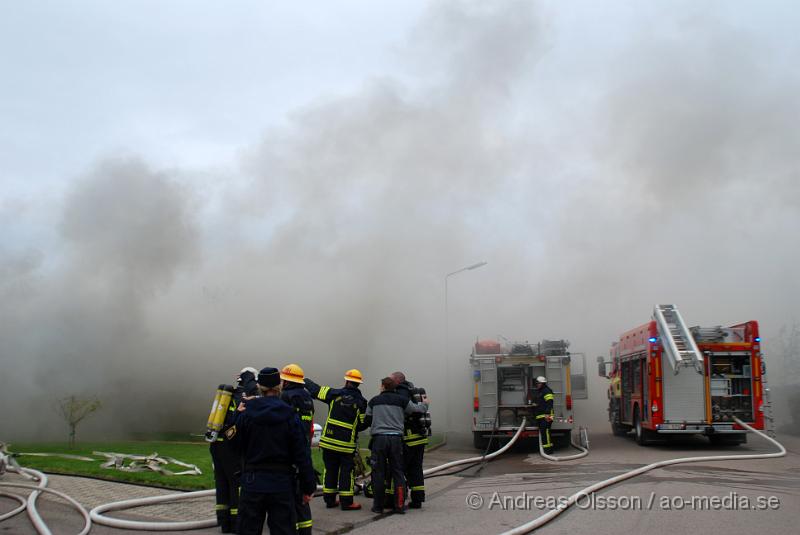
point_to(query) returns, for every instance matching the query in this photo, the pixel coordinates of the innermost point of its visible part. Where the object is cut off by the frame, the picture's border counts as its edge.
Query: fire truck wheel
(617, 429)
(642, 435)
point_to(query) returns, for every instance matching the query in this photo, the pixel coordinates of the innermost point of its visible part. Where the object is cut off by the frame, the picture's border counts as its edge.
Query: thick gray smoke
(81, 324)
(665, 175)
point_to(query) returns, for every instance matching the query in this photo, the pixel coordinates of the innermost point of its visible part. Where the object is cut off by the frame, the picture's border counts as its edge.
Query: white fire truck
(504, 377)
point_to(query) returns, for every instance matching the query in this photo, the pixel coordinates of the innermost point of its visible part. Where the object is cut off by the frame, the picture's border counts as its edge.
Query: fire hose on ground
(547, 517)
(96, 514)
(7, 463)
(480, 458)
(583, 451)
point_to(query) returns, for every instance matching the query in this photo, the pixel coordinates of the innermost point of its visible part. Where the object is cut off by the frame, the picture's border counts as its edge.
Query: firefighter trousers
(277, 507)
(544, 432)
(412, 460)
(302, 512)
(387, 456)
(338, 477)
(227, 466)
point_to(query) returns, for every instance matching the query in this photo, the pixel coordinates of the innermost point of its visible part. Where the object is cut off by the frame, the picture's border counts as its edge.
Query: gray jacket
(386, 413)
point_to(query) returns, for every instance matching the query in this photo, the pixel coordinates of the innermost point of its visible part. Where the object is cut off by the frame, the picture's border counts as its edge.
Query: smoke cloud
(666, 174)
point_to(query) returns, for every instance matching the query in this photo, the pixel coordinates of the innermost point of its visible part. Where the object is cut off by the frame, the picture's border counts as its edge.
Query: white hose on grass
(547, 517)
(480, 458)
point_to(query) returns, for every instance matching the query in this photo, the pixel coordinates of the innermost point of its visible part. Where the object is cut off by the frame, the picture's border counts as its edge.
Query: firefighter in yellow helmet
(543, 410)
(294, 393)
(339, 442)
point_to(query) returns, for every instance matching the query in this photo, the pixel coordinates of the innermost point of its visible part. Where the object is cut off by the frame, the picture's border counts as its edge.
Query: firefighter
(386, 415)
(293, 392)
(225, 459)
(339, 441)
(274, 448)
(415, 439)
(543, 410)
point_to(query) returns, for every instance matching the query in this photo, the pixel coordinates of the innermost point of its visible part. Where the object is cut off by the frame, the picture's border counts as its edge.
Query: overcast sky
(206, 185)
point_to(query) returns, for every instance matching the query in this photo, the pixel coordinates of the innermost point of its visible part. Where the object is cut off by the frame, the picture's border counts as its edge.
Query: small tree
(74, 409)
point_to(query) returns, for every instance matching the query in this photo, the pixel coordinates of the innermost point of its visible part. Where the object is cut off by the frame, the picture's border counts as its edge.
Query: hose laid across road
(98, 517)
(547, 517)
(480, 458)
(97, 513)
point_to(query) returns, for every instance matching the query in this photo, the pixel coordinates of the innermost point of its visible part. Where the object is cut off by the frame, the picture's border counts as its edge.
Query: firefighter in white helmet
(543, 410)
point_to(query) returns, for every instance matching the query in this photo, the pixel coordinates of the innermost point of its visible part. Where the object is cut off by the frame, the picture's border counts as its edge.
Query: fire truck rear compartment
(731, 387)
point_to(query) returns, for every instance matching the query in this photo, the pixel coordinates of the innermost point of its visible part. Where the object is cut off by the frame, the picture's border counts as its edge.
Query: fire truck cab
(668, 379)
(504, 377)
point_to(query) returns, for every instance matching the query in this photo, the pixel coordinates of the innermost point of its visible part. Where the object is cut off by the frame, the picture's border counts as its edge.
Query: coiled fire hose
(7, 463)
(547, 517)
(583, 451)
(97, 513)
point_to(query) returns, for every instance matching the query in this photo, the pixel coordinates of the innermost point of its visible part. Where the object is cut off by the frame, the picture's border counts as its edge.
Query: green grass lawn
(189, 452)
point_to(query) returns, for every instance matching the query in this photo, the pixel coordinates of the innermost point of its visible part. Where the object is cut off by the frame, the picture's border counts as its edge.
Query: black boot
(224, 521)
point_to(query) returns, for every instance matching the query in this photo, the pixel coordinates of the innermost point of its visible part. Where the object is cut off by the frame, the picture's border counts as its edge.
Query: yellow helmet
(354, 376)
(293, 374)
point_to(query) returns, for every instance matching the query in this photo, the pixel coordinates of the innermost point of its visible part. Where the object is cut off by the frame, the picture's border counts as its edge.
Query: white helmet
(249, 369)
(541, 379)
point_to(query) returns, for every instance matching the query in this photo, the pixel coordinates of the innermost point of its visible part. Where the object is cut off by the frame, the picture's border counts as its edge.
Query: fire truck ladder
(769, 420)
(676, 339)
(488, 388)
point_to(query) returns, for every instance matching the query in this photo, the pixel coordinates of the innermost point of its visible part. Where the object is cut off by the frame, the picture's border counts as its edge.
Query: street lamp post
(448, 421)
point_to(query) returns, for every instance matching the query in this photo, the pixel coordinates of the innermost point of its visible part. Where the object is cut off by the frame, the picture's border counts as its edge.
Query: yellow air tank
(219, 409)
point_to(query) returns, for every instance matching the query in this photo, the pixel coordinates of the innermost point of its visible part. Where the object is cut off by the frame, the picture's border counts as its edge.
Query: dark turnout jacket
(272, 443)
(346, 408)
(301, 401)
(386, 413)
(415, 433)
(543, 399)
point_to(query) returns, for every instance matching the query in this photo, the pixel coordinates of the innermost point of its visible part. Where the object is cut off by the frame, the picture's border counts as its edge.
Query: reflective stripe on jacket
(544, 402)
(346, 409)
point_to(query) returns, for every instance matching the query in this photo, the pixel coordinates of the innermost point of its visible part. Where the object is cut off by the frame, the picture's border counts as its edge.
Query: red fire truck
(668, 379)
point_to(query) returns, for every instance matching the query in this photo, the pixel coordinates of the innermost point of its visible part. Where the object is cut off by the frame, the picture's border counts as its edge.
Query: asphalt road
(658, 502)
(516, 488)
